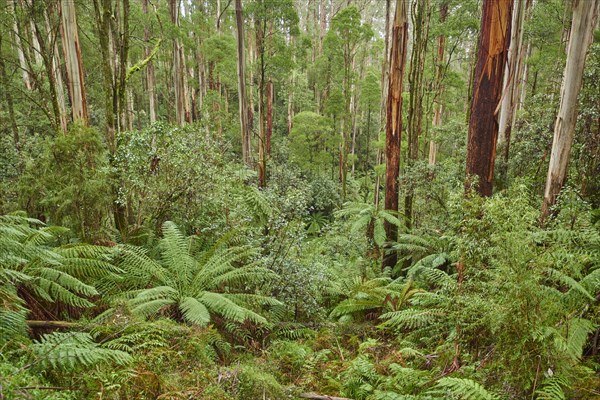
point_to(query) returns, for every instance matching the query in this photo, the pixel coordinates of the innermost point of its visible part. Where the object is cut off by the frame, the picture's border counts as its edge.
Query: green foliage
(74, 189)
(74, 351)
(187, 281)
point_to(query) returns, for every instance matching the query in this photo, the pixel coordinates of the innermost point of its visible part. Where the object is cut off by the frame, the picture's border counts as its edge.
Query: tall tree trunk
(55, 70)
(420, 17)
(260, 50)
(585, 13)
(4, 79)
(270, 97)
(384, 95)
(438, 106)
(73, 62)
(150, 76)
(182, 105)
(19, 47)
(393, 129)
(241, 68)
(511, 84)
(494, 41)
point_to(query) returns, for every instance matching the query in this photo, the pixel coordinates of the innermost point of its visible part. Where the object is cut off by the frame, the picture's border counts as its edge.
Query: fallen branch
(316, 396)
(51, 324)
(46, 388)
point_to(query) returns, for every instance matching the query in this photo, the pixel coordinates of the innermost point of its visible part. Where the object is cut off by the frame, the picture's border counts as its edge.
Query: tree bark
(384, 92)
(511, 83)
(182, 105)
(494, 41)
(585, 13)
(241, 68)
(420, 16)
(19, 47)
(393, 131)
(73, 62)
(438, 106)
(150, 76)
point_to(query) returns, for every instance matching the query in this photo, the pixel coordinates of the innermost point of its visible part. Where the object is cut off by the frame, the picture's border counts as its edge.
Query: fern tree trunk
(494, 41)
(393, 129)
(585, 13)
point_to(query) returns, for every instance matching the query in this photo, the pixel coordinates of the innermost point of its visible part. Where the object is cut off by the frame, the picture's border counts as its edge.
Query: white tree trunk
(585, 13)
(72, 53)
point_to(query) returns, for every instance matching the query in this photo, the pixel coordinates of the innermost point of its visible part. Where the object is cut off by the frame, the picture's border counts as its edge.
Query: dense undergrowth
(283, 295)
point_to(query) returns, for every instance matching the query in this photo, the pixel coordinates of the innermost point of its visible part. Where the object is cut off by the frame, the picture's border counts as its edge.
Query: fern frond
(466, 389)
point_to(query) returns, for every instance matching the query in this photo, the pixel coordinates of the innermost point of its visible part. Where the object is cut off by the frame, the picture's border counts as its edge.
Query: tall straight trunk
(511, 83)
(322, 23)
(384, 93)
(46, 54)
(270, 97)
(251, 59)
(585, 13)
(260, 25)
(4, 79)
(182, 107)
(420, 17)
(36, 49)
(19, 47)
(393, 129)
(438, 106)
(73, 62)
(241, 68)
(55, 71)
(150, 75)
(494, 41)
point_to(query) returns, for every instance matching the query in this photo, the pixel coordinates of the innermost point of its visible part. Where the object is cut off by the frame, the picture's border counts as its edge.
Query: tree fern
(73, 351)
(188, 283)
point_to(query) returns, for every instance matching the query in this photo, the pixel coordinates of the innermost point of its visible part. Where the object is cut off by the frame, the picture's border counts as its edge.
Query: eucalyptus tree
(494, 41)
(393, 129)
(585, 14)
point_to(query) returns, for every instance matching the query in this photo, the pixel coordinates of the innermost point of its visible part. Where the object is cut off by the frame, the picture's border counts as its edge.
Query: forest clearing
(300, 199)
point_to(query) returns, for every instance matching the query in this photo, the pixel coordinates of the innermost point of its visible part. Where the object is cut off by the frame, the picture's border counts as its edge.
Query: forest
(300, 199)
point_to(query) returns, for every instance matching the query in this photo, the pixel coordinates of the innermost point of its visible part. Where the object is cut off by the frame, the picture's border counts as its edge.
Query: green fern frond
(74, 351)
(465, 389)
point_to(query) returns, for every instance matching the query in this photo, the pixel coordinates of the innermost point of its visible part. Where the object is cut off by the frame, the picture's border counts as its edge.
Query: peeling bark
(585, 13)
(494, 41)
(393, 129)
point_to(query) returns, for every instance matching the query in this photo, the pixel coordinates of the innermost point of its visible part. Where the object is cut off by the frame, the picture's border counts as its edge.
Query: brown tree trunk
(384, 95)
(241, 68)
(393, 130)
(73, 62)
(585, 13)
(438, 87)
(494, 41)
(260, 52)
(270, 96)
(420, 16)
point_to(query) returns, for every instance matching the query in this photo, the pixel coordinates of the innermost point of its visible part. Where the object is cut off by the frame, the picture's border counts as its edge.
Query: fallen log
(316, 396)
(51, 324)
